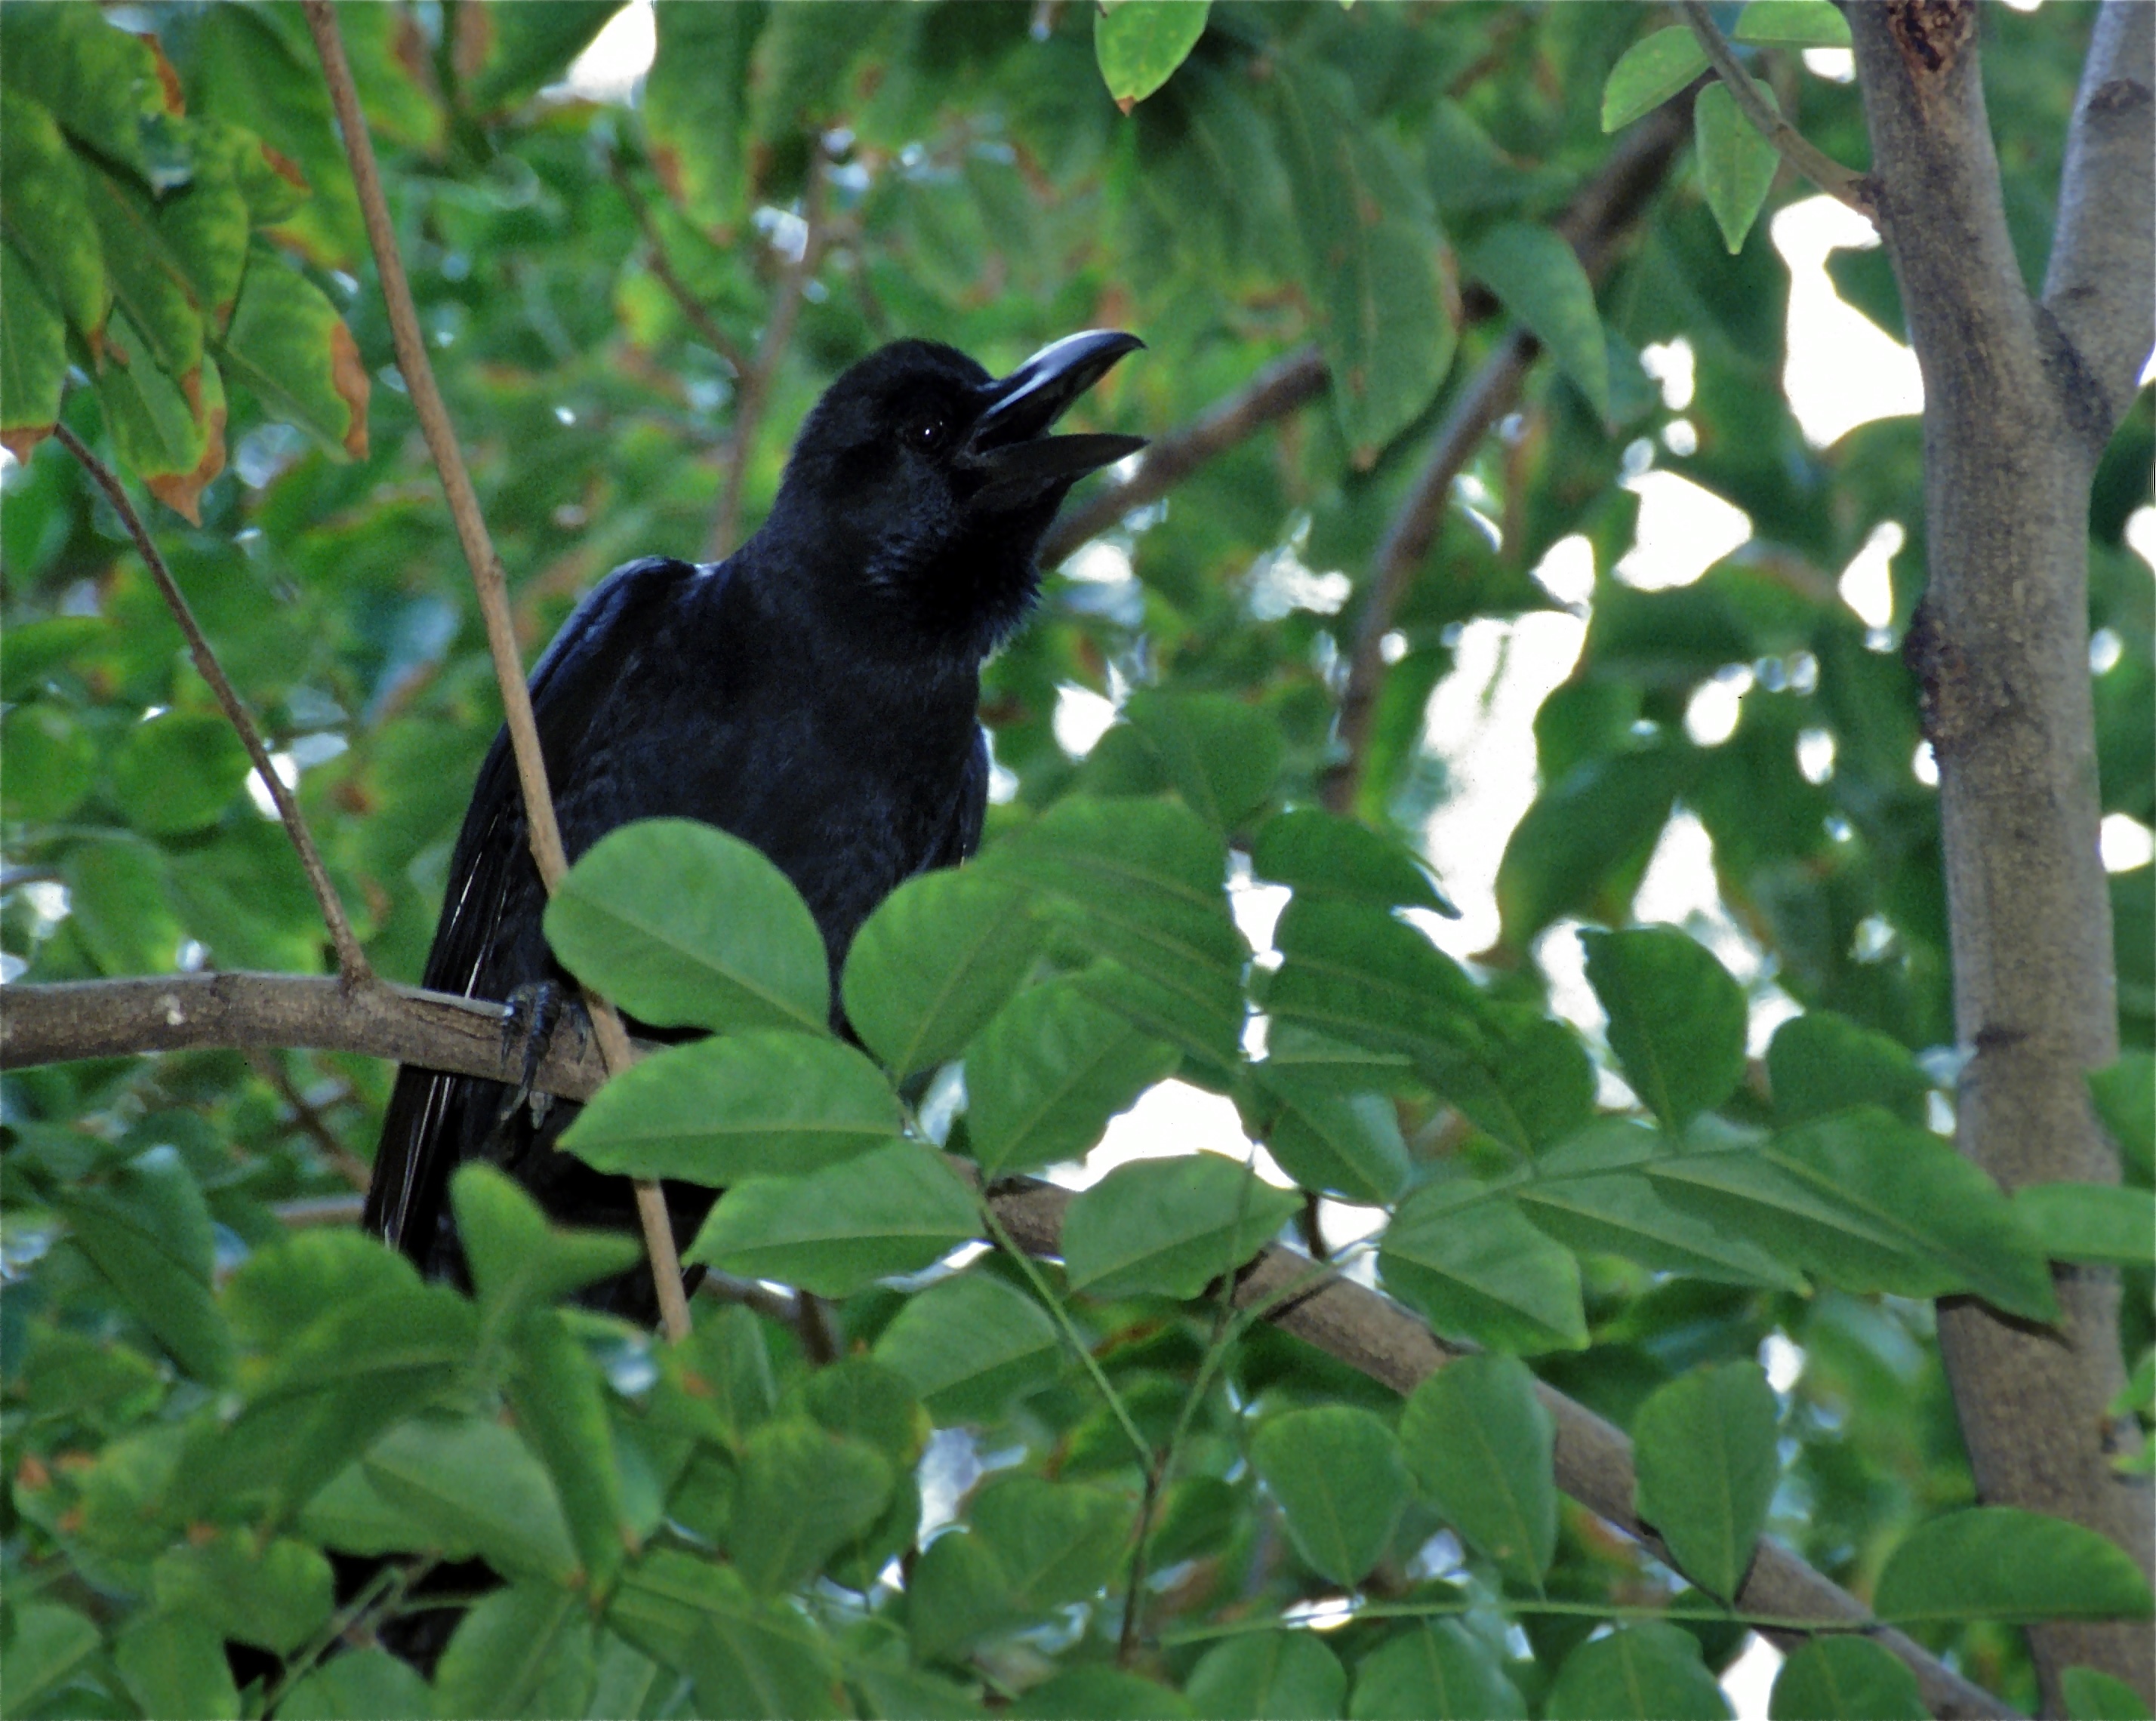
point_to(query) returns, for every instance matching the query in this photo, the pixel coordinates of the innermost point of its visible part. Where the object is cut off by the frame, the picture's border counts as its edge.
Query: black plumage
(814, 694)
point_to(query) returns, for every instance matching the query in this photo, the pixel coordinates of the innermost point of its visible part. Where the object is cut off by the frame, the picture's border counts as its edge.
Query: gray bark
(2019, 398)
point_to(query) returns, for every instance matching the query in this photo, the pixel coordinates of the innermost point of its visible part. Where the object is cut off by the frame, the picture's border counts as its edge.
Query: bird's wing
(962, 837)
(488, 931)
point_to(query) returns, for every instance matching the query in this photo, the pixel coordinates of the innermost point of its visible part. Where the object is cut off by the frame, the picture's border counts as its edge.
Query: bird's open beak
(1011, 442)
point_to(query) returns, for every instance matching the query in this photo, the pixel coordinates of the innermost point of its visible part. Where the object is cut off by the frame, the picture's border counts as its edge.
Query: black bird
(813, 694)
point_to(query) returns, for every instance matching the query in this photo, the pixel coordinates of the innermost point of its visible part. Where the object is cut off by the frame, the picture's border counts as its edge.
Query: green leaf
(519, 1260)
(177, 772)
(934, 963)
(724, 1375)
(747, 1655)
(1105, 1694)
(956, 1595)
(101, 83)
(524, 1651)
(687, 927)
(1704, 1448)
(1222, 756)
(288, 346)
(2001, 1563)
(970, 1345)
(480, 1484)
(1677, 1017)
(1270, 1675)
(764, 1103)
(1436, 1668)
(1347, 1145)
(147, 280)
(47, 219)
(1872, 1204)
(2091, 1696)
(275, 1597)
(1142, 883)
(1337, 1475)
(1648, 1672)
(805, 1493)
(357, 1685)
(531, 46)
(33, 650)
(1352, 972)
(1794, 24)
(1590, 1192)
(1055, 1542)
(1820, 1062)
(1652, 70)
(1581, 847)
(1480, 1447)
(895, 1210)
(148, 1229)
(1140, 43)
(1323, 855)
(695, 108)
(1370, 253)
(172, 1663)
(47, 1644)
(1168, 1227)
(1477, 1267)
(2101, 1223)
(52, 761)
(1044, 1078)
(554, 1389)
(1836, 1678)
(1535, 273)
(2125, 1098)
(156, 427)
(33, 360)
(1737, 165)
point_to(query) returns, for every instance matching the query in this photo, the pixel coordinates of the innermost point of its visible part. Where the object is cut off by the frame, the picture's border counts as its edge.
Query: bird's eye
(927, 432)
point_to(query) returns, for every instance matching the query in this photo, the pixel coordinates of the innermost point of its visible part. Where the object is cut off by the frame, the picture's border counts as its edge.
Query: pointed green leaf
(1347, 1145)
(2002, 1562)
(481, 1483)
(178, 771)
(1222, 755)
(1836, 1678)
(288, 346)
(970, 1345)
(1820, 1062)
(804, 1493)
(1270, 1675)
(1168, 1227)
(1704, 1446)
(1436, 1668)
(1539, 278)
(764, 1103)
(2091, 1696)
(747, 1655)
(684, 926)
(560, 1404)
(520, 1654)
(1648, 1672)
(275, 1597)
(935, 961)
(1140, 43)
(2102, 1223)
(1337, 1475)
(47, 1645)
(1652, 70)
(1794, 24)
(1055, 1542)
(1044, 1078)
(172, 1663)
(47, 216)
(1323, 855)
(518, 1259)
(33, 360)
(1736, 166)
(1480, 1447)
(895, 1210)
(1677, 1017)
(1477, 1267)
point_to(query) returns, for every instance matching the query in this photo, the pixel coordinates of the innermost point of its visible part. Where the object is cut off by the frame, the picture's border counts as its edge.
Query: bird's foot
(536, 1011)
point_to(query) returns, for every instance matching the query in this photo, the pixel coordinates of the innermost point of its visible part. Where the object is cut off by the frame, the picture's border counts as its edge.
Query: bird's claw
(534, 1011)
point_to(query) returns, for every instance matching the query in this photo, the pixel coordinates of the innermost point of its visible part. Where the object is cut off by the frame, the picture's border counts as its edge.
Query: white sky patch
(1481, 721)
(1170, 1119)
(1567, 570)
(1749, 1681)
(1815, 754)
(1837, 65)
(1866, 585)
(1678, 890)
(1842, 370)
(1716, 704)
(1684, 530)
(619, 55)
(1082, 716)
(1099, 561)
(1670, 364)
(2141, 532)
(2126, 843)
(288, 773)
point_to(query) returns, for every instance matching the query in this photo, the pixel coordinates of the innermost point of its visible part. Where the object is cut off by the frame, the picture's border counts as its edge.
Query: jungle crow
(813, 694)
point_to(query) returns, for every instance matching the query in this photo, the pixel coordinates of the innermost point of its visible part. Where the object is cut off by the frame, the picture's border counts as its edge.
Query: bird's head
(927, 484)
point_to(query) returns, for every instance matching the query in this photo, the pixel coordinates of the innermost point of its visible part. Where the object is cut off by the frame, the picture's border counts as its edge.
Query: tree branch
(1844, 184)
(352, 967)
(1283, 386)
(310, 1122)
(2101, 286)
(492, 587)
(753, 386)
(1369, 1331)
(1600, 212)
(2000, 648)
(691, 306)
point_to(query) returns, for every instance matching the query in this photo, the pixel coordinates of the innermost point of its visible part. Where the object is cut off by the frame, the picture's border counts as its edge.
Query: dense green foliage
(203, 1400)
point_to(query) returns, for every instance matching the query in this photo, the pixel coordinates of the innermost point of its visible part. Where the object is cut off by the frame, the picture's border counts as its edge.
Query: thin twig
(1599, 212)
(1844, 184)
(352, 966)
(308, 1119)
(752, 391)
(662, 270)
(492, 587)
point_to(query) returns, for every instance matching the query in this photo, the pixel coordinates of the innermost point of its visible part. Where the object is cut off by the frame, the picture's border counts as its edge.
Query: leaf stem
(492, 586)
(1844, 184)
(353, 968)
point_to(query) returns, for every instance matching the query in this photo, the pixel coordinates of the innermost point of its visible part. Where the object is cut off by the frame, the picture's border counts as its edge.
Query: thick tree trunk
(2019, 398)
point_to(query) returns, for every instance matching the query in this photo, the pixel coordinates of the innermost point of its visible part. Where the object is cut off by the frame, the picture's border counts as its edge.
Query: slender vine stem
(491, 585)
(352, 966)
(1844, 184)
